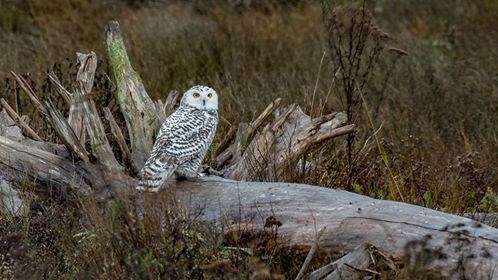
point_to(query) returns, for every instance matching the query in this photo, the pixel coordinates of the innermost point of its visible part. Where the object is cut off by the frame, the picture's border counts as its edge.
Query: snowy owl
(183, 140)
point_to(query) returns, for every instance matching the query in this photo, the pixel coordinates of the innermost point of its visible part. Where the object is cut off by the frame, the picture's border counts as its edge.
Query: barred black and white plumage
(183, 139)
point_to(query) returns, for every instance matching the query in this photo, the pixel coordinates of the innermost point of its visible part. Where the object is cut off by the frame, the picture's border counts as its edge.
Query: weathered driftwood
(142, 115)
(457, 246)
(264, 154)
(263, 148)
(136, 106)
(55, 119)
(19, 121)
(10, 200)
(45, 170)
(138, 109)
(348, 267)
(48, 165)
(75, 117)
(98, 140)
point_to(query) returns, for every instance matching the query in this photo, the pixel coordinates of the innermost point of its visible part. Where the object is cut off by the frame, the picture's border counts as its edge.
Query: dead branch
(31, 94)
(74, 100)
(93, 125)
(310, 255)
(65, 132)
(286, 138)
(19, 121)
(118, 136)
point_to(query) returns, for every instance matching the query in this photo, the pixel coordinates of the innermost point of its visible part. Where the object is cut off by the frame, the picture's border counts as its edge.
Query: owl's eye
(210, 95)
(196, 95)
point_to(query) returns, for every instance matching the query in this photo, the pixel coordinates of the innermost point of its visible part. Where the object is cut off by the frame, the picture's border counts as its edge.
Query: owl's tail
(154, 176)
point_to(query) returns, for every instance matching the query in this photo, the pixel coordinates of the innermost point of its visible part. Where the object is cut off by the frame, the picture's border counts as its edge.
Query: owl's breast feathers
(187, 132)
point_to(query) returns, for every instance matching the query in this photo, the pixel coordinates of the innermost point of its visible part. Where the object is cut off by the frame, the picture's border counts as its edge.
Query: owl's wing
(163, 161)
(156, 171)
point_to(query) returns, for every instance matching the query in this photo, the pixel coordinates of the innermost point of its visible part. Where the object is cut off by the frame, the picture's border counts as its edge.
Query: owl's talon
(145, 189)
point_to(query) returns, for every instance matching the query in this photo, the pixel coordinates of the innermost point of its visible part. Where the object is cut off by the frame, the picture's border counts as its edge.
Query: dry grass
(427, 123)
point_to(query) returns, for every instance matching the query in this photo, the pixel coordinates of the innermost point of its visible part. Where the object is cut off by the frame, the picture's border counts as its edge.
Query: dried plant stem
(316, 85)
(381, 150)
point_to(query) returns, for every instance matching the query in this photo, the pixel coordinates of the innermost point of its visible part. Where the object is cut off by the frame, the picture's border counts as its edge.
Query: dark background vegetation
(427, 126)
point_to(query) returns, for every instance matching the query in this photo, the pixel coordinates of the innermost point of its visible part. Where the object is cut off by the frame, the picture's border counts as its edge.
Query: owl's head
(201, 97)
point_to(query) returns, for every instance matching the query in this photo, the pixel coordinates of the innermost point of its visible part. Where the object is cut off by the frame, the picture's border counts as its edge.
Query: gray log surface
(350, 220)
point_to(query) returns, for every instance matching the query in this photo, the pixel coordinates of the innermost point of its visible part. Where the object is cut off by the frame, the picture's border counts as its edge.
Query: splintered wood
(275, 141)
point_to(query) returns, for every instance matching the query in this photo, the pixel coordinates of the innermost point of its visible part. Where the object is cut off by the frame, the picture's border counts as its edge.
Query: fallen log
(454, 247)
(262, 149)
(400, 230)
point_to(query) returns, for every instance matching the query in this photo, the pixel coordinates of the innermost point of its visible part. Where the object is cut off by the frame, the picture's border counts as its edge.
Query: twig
(310, 255)
(363, 269)
(19, 122)
(64, 93)
(118, 135)
(31, 94)
(226, 141)
(384, 158)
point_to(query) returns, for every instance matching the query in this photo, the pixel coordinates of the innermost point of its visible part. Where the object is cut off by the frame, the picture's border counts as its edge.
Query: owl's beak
(203, 102)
